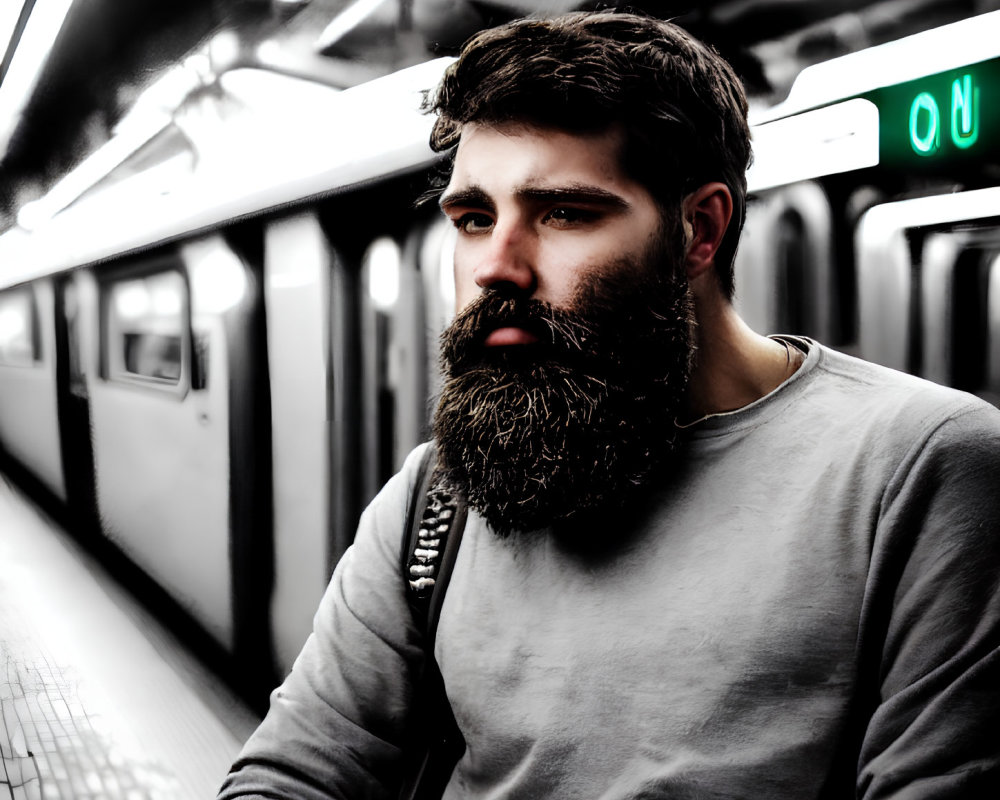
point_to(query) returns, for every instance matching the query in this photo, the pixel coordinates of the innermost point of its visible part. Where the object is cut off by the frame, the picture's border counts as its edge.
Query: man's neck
(734, 366)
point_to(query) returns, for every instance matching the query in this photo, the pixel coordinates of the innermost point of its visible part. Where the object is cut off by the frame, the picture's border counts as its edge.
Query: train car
(218, 334)
(214, 340)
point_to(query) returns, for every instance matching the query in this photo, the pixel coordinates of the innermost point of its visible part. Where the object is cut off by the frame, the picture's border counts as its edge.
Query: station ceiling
(108, 51)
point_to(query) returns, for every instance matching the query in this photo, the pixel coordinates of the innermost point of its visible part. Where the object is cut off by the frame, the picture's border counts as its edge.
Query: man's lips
(510, 335)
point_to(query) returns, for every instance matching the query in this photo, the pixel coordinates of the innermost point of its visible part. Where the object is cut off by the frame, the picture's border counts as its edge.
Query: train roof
(958, 44)
(198, 157)
(253, 143)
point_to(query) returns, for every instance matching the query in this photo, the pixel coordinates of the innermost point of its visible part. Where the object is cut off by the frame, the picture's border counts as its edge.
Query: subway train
(218, 333)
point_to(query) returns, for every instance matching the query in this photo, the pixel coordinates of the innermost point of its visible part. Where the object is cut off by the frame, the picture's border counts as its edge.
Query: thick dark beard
(581, 422)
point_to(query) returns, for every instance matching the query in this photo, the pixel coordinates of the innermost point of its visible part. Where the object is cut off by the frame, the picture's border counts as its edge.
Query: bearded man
(698, 562)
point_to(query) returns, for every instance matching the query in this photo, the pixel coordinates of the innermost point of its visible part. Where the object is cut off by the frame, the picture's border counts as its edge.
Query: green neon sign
(925, 118)
(945, 123)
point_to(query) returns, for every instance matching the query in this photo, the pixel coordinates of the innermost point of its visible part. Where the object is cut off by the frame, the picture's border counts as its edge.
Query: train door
(29, 427)
(74, 409)
(938, 276)
(437, 268)
(957, 270)
(926, 286)
(349, 376)
(309, 340)
(971, 316)
(785, 272)
(181, 457)
(393, 359)
(885, 284)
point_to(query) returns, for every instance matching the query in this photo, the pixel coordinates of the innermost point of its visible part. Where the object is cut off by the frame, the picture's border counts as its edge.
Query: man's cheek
(466, 289)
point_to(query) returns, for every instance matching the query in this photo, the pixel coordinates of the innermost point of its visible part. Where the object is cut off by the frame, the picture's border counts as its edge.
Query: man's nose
(507, 260)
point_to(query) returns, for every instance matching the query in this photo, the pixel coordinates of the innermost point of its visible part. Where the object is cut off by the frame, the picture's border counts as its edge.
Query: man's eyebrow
(573, 193)
(472, 196)
(476, 197)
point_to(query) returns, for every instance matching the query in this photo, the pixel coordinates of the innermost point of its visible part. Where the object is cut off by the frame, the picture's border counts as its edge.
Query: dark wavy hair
(682, 107)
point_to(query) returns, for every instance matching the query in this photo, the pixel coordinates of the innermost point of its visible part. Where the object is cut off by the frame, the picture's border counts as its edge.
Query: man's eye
(473, 223)
(568, 216)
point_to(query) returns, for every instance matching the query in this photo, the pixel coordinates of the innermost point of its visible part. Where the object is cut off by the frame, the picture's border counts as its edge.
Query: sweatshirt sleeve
(335, 726)
(933, 621)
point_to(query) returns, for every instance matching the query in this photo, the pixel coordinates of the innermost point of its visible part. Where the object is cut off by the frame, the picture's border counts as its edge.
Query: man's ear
(707, 212)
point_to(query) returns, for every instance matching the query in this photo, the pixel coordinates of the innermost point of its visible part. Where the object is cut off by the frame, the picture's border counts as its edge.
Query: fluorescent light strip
(10, 13)
(40, 32)
(346, 21)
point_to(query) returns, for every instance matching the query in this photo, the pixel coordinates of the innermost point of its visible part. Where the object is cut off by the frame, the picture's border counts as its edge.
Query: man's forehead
(613, 133)
(524, 157)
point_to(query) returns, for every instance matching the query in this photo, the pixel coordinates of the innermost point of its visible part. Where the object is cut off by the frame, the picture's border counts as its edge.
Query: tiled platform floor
(97, 699)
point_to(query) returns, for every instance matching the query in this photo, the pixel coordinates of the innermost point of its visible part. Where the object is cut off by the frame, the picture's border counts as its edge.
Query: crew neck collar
(756, 412)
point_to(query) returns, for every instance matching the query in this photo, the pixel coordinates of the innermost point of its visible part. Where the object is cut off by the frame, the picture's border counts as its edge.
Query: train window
(145, 328)
(19, 335)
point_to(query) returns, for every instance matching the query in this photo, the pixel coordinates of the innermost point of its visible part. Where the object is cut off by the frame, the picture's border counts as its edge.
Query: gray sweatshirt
(809, 609)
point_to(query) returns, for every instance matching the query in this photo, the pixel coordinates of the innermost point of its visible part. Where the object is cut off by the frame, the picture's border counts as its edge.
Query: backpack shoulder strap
(433, 533)
(434, 528)
(415, 510)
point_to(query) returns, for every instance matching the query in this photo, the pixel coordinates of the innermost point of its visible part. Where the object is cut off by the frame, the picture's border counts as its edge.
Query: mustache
(560, 332)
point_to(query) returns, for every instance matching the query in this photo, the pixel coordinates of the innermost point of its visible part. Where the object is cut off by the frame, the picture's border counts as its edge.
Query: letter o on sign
(925, 125)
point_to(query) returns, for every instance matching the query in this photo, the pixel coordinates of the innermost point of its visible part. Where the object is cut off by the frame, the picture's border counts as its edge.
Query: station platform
(98, 699)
